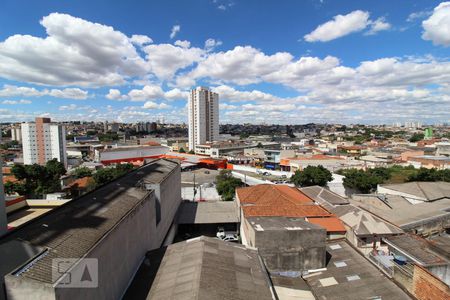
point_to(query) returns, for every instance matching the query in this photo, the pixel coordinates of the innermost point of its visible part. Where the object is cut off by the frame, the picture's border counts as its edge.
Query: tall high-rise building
(203, 116)
(43, 141)
(16, 134)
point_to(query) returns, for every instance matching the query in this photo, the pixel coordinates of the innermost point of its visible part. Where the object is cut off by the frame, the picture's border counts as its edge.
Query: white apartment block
(16, 134)
(203, 108)
(43, 141)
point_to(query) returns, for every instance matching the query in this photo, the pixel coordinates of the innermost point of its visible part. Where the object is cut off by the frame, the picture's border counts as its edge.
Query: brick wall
(428, 287)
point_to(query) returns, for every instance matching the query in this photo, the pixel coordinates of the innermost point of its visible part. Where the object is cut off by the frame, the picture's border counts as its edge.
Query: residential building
(43, 141)
(116, 225)
(431, 255)
(422, 208)
(287, 244)
(16, 134)
(203, 116)
(270, 200)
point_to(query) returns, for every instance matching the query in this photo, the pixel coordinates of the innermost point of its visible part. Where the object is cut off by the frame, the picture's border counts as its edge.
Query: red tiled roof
(9, 178)
(273, 195)
(331, 224)
(298, 211)
(81, 182)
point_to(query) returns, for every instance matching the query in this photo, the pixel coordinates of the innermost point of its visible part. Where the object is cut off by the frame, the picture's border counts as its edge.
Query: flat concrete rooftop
(350, 276)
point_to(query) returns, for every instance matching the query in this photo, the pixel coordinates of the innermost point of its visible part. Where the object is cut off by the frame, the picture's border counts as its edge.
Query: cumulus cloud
(148, 92)
(379, 24)
(437, 26)
(140, 40)
(241, 65)
(67, 93)
(341, 25)
(166, 59)
(182, 44)
(15, 102)
(154, 105)
(74, 52)
(175, 30)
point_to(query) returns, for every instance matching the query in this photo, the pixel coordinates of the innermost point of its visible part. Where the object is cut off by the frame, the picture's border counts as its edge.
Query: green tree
(191, 152)
(416, 137)
(259, 145)
(362, 181)
(82, 172)
(430, 175)
(226, 185)
(104, 176)
(15, 187)
(312, 176)
(182, 150)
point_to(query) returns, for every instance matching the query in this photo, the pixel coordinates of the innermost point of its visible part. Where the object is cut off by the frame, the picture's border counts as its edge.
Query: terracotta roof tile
(285, 211)
(271, 194)
(331, 224)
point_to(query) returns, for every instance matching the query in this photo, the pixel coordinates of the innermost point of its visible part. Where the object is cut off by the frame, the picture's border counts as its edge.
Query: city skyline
(270, 62)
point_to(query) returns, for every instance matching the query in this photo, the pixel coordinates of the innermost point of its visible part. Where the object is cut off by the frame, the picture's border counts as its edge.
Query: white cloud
(233, 95)
(379, 24)
(182, 44)
(166, 59)
(341, 25)
(115, 94)
(210, 44)
(175, 30)
(146, 93)
(176, 94)
(437, 26)
(74, 52)
(15, 102)
(418, 15)
(67, 93)
(154, 105)
(241, 65)
(140, 40)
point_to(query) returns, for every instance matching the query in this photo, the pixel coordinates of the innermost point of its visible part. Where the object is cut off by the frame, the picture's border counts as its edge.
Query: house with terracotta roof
(269, 200)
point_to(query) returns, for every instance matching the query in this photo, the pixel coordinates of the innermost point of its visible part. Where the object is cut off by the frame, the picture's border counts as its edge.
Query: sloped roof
(429, 191)
(417, 248)
(331, 224)
(285, 211)
(320, 194)
(207, 268)
(271, 194)
(363, 223)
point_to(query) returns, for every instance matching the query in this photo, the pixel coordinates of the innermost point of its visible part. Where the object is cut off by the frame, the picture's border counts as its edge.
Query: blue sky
(287, 62)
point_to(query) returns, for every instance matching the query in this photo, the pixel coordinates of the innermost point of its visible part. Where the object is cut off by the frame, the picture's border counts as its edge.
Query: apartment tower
(43, 141)
(203, 116)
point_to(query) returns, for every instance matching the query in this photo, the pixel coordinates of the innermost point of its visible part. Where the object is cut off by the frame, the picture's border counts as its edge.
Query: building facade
(43, 141)
(203, 116)
(16, 134)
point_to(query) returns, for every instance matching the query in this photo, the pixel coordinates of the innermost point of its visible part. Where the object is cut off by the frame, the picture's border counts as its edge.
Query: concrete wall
(119, 254)
(292, 250)
(21, 288)
(168, 197)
